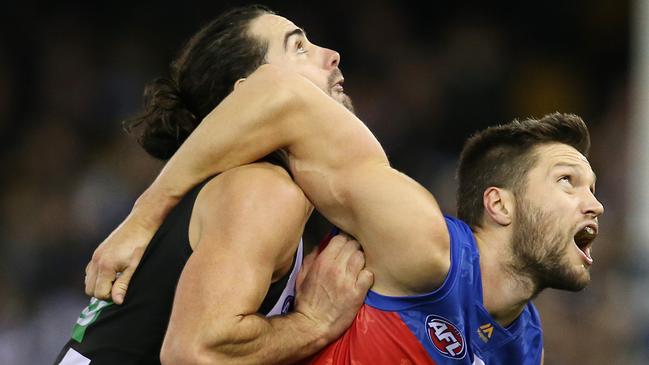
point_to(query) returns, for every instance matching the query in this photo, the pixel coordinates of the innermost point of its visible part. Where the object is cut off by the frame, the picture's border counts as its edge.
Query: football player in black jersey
(235, 237)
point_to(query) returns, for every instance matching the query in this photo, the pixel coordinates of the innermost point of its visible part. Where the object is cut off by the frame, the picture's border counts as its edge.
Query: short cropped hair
(501, 156)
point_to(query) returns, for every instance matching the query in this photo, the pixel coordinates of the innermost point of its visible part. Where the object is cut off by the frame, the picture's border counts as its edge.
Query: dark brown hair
(501, 156)
(200, 78)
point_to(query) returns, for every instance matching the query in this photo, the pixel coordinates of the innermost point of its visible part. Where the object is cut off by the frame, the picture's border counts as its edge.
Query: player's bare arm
(114, 261)
(122, 250)
(244, 230)
(337, 162)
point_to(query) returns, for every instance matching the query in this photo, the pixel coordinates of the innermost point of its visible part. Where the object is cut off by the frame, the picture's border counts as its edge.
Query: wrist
(151, 208)
(320, 331)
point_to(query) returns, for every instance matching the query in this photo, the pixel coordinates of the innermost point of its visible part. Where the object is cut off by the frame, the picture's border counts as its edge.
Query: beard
(347, 103)
(342, 98)
(539, 249)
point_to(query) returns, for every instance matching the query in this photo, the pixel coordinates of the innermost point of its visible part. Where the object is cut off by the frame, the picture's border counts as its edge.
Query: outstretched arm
(336, 161)
(121, 251)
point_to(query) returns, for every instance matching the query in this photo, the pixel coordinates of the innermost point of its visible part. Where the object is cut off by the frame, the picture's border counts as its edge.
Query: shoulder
(259, 180)
(257, 187)
(259, 195)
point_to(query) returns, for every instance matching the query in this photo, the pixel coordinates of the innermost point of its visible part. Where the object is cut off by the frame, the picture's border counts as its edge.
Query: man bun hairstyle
(201, 76)
(501, 156)
(166, 121)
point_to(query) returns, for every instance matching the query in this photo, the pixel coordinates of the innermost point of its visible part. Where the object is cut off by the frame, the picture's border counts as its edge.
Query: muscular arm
(245, 227)
(336, 161)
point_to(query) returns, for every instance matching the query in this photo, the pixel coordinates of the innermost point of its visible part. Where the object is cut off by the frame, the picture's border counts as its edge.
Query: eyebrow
(574, 166)
(296, 31)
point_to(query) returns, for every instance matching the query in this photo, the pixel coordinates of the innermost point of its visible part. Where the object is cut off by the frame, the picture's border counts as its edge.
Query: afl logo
(448, 340)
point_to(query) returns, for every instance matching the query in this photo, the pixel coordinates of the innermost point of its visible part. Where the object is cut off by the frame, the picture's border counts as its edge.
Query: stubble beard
(539, 248)
(342, 98)
(347, 103)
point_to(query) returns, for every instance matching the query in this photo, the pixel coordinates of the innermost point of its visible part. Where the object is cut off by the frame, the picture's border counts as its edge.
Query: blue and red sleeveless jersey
(447, 326)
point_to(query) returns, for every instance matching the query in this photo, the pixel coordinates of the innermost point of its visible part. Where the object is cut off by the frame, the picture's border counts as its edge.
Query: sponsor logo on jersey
(87, 317)
(288, 304)
(485, 332)
(446, 337)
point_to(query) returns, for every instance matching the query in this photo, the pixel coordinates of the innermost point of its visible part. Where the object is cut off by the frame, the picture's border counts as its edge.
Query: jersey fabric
(447, 326)
(132, 333)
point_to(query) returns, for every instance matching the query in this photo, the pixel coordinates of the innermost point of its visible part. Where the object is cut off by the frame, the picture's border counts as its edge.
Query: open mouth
(338, 86)
(584, 241)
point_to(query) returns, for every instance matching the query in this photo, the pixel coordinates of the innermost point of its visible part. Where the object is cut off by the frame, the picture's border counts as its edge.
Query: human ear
(498, 205)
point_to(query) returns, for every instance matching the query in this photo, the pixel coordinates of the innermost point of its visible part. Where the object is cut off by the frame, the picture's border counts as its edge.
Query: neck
(506, 292)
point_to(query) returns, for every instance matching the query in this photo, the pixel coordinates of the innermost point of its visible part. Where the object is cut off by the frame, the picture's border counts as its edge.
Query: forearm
(152, 207)
(247, 125)
(214, 147)
(336, 161)
(272, 109)
(276, 340)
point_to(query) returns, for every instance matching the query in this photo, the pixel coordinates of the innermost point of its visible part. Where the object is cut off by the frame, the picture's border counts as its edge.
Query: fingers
(354, 258)
(104, 282)
(356, 268)
(90, 278)
(340, 264)
(121, 284)
(351, 258)
(121, 253)
(345, 253)
(335, 287)
(365, 281)
(356, 262)
(334, 247)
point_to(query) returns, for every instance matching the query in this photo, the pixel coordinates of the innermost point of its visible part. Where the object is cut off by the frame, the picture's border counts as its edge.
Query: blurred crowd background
(423, 77)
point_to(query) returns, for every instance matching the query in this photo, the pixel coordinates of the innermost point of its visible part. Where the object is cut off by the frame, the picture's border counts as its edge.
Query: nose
(331, 58)
(592, 206)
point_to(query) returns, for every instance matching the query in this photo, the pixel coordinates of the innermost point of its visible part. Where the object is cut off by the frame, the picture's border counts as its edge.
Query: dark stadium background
(423, 77)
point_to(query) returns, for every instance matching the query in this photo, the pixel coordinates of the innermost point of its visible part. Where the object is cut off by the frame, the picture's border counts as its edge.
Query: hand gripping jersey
(132, 333)
(448, 326)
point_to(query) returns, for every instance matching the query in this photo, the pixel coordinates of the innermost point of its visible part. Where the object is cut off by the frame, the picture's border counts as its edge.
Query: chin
(345, 100)
(570, 280)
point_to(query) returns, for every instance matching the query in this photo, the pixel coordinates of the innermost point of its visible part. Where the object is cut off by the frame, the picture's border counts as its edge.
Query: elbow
(173, 354)
(178, 352)
(182, 350)
(288, 87)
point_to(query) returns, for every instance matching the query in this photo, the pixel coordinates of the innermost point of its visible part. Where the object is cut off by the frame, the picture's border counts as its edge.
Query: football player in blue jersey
(456, 289)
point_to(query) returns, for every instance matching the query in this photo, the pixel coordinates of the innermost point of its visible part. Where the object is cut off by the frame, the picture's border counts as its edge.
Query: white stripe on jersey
(74, 358)
(289, 290)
